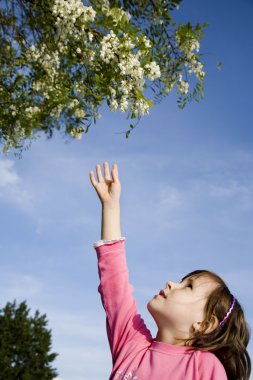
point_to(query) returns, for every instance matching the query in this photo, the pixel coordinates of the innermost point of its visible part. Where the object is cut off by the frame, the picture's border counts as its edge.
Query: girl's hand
(108, 189)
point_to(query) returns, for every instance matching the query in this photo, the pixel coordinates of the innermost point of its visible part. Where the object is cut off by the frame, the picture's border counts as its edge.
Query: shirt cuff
(101, 242)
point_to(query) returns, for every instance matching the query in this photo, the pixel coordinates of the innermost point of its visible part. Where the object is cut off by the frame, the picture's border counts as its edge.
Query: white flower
(114, 105)
(109, 46)
(112, 91)
(78, 136)
(79, 113)
(182, 85)
(140, 107)
(90, 36)
(73, 103)
(196, 67)
(195, 45)
(77, 133)
(153, 70)
(31, 111)
(128, 44)
(123, 104)
(146, 42)
(69, 11)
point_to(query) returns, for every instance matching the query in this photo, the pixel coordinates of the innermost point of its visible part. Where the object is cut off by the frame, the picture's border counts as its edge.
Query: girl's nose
(171, 284)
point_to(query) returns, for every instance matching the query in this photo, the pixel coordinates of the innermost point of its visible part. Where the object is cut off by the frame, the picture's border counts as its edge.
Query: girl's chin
(156, 297)
(151, 304)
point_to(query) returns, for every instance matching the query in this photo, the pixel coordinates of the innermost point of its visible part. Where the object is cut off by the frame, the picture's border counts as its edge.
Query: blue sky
(187, 200)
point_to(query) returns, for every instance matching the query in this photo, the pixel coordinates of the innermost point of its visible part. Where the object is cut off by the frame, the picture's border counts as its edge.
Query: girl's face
(183, 305)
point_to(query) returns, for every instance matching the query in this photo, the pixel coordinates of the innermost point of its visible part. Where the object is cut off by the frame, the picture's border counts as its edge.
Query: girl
(202, 333)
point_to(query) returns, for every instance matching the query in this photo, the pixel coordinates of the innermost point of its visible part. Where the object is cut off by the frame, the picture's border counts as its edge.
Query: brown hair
(228, 342)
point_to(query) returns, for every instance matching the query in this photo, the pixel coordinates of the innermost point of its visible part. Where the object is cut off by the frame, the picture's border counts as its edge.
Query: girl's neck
(169, 337)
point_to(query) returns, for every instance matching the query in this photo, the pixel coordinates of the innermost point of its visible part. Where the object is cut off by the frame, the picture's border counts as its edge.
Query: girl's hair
(229, 341)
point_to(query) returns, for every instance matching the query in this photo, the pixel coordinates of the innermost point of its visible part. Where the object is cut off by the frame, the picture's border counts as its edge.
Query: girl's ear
(212, 324)
(209, 326)
(196, 326)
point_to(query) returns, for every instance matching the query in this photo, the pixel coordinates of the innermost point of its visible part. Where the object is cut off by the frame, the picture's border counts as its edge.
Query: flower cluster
(196, 67)
(188, 46)
(117, 51)
(73, 104)
(182, 85)
(141, 105)
(50, 62)
(110, 45)
(13, 109)
(152, 71)
(68, 12)
(17, 134)
(118, 15)
(146, 42)
(104, 5)
(77, 133)
(79, 113)
(31, 111)
(57, 110)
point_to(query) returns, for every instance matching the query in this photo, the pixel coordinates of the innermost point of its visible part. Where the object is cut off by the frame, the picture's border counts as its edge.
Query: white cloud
(170, 197)
(79, 337)
(8, 175)
(233, 190)
(85, 326)
(82, 360)
(11, 187)
(229, 189)
(15, 285)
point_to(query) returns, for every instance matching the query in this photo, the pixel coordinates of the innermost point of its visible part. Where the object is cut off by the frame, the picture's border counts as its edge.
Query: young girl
(202, 333)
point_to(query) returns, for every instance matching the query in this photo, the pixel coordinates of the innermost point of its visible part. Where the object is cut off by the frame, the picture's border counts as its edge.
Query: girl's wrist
(110, 228)
(111, 205)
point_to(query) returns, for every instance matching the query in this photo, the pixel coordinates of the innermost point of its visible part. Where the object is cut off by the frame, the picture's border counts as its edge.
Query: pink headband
(224, 319)
(228, 313)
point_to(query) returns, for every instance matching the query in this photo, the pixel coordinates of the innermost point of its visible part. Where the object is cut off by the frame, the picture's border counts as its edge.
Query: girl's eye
(189, 286)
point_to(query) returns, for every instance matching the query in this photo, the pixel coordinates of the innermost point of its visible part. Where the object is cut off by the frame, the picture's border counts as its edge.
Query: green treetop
(60, 60)
(25, 345)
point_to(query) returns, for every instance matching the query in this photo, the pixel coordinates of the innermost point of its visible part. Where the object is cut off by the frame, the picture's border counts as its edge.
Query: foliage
(24, 344)
(61, 60)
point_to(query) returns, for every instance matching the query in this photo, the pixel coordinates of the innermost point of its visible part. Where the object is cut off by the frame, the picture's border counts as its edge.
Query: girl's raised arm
(126, 330)
(108, 191)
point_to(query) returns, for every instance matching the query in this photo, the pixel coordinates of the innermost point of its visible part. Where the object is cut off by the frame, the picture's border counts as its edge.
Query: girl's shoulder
(209, 363)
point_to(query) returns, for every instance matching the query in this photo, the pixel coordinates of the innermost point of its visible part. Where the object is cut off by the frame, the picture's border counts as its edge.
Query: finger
(92, 179)
(99, 173)
(107, 171)
(115, 174)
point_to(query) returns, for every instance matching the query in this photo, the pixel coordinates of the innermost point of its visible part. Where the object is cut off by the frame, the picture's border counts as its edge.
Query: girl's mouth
(162, 293)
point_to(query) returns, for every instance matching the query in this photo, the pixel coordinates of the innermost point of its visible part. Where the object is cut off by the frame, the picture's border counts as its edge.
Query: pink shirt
(135, 354)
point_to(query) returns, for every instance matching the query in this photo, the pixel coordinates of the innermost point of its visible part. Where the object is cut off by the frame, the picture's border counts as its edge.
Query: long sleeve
(126, 329)
(101, 242)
